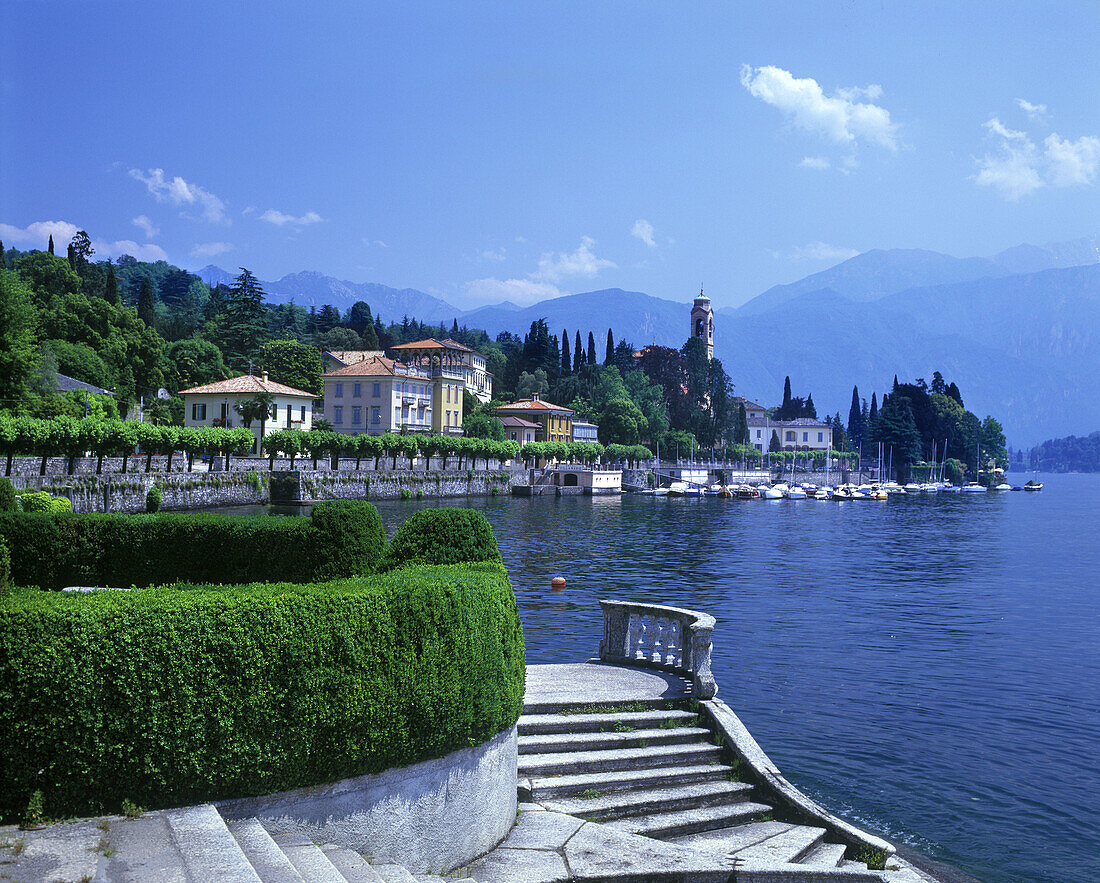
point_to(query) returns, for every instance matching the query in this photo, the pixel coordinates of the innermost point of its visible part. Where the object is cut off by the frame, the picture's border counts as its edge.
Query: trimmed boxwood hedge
(443, 536)
(175, 696)
(51, 551)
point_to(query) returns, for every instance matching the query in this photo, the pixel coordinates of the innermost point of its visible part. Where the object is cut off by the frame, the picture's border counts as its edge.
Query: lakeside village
(654, 420)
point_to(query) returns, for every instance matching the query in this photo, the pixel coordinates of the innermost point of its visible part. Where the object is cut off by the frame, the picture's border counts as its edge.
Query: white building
(585, 432)
(450, 359)
(803, 434)
(378, 395)
(215, 404)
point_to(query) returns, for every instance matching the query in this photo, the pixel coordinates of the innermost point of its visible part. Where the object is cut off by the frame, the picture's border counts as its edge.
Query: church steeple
(702, 322)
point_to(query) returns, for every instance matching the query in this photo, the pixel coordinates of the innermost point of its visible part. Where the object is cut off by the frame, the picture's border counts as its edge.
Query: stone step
(263, 853)
(827, 855)
(579, 708)
(625, 804)
(308, 859)
(393, 874)
(668, 825)
(351, 864)
(142, 849)
(730, 840)
(209, 851)
(539, 724)
(556, 742)
(555, 787)
(616, 759)
(790, 846)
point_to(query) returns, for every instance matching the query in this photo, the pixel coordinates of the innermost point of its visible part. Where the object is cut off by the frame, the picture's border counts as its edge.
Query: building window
(805, 436)
(198, 412)
(790, 436)
(303, 413)
(356, 390)
(338, 390)
(758, 433)
(821, 436)
(338, 414)
(376, 390)
(356, 415)
(375, 415)
(275, 413)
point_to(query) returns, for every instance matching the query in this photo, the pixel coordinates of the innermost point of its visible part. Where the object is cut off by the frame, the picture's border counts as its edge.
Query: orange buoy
(557, 583)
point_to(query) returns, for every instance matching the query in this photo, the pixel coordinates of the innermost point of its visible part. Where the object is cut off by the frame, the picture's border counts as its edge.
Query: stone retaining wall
(432, 816)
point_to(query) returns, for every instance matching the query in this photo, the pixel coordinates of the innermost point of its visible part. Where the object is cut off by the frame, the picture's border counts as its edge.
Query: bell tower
(702, 322)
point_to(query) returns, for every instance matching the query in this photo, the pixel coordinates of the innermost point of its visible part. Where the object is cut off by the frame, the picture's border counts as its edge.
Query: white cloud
(643, 230)
(146, 252)
(37, 235)
(814, 162)
(817, 252)
(1019, 167)
(281, 219)
(1035, 111)
(495, 255)
(148, 227)
(842, 118)
(1072, 162)
(518, 291)
(179, 192)
(210, 249)
(581, 262)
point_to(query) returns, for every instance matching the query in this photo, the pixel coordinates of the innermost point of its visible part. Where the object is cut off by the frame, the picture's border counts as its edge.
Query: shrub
(443, 536)
(40, 501)
(349, 538)
(344, 538)
(168, 697)
(7, 496)
(5, 568)
(153, 499)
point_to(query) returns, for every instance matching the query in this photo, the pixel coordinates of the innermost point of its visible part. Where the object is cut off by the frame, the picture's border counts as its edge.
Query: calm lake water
(928, 667)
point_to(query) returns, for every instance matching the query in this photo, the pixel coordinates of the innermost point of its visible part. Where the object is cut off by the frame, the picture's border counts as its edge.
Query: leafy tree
(775, 446)
(111, 291)
(609, 357)
(195, 362)
(82, 247)
(18, 351)
(993, 442)
(953, 391)
(897, 429)
(244, 327)
(482, 424)
(938, 386)
(147, 308)
(256, 408)
(338, 339)
(294, 364)
(530, 384)
(621, 422)
(741, 427)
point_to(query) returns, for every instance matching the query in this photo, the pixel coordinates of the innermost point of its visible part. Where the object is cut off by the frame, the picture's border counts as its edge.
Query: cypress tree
(774, 446)
(591, 349)
(454, 327)
(855, 419)
(147, 303)
(111, 293)
(3, 257)
(741, 433)
(786, 395)
(609, 358)
(872, 416)
(810, 409)
(49, 247)
(566, 366)
(578, 353)
(71, 255)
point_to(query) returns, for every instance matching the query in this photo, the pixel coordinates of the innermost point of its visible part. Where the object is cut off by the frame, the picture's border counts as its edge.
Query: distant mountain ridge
(1019, 332)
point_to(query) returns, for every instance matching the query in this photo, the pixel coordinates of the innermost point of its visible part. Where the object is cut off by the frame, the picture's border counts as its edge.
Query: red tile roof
(373, 367)
(349, 356)
(518, 422)
(246, 384)
(533, 405)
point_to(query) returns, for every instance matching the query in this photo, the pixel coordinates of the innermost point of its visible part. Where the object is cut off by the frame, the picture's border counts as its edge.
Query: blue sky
(484, 152)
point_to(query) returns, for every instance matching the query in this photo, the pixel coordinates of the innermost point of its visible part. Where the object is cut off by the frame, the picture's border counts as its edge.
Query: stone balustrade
(661, 636)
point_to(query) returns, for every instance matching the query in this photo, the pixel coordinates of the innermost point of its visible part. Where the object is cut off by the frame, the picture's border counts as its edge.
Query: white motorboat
(796, 493)
(678, 489)
(972, 486)
(1004, 486)
(1033, 485)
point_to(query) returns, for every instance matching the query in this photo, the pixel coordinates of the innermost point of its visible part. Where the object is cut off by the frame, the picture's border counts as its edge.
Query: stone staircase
(655, 769)
(190, 845)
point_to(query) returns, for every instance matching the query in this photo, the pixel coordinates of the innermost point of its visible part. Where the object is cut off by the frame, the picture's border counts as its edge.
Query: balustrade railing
(658, 635)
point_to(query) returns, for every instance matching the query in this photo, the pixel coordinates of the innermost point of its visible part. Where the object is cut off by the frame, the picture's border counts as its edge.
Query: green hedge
(443, 536)
(342, 538)
(175, 696)
(7, 496)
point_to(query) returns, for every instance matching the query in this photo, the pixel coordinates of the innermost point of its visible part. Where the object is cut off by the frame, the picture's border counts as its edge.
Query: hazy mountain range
(1019, 332)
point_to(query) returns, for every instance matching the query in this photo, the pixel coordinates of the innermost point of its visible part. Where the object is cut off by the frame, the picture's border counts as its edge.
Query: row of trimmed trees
(585, 452)
(72, 438)
(317, 444)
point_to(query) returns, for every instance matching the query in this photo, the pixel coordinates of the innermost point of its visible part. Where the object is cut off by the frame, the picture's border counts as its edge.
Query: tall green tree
(82, 248)
(897, 430)
(741, 427)
(147, 305)
(18, 349)
(49, 246)
(590, 358)
(578, 353)
(111, 292)
(609, 357)
(293, 363)
(855, 420)
(566, 366)
(244, 328)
